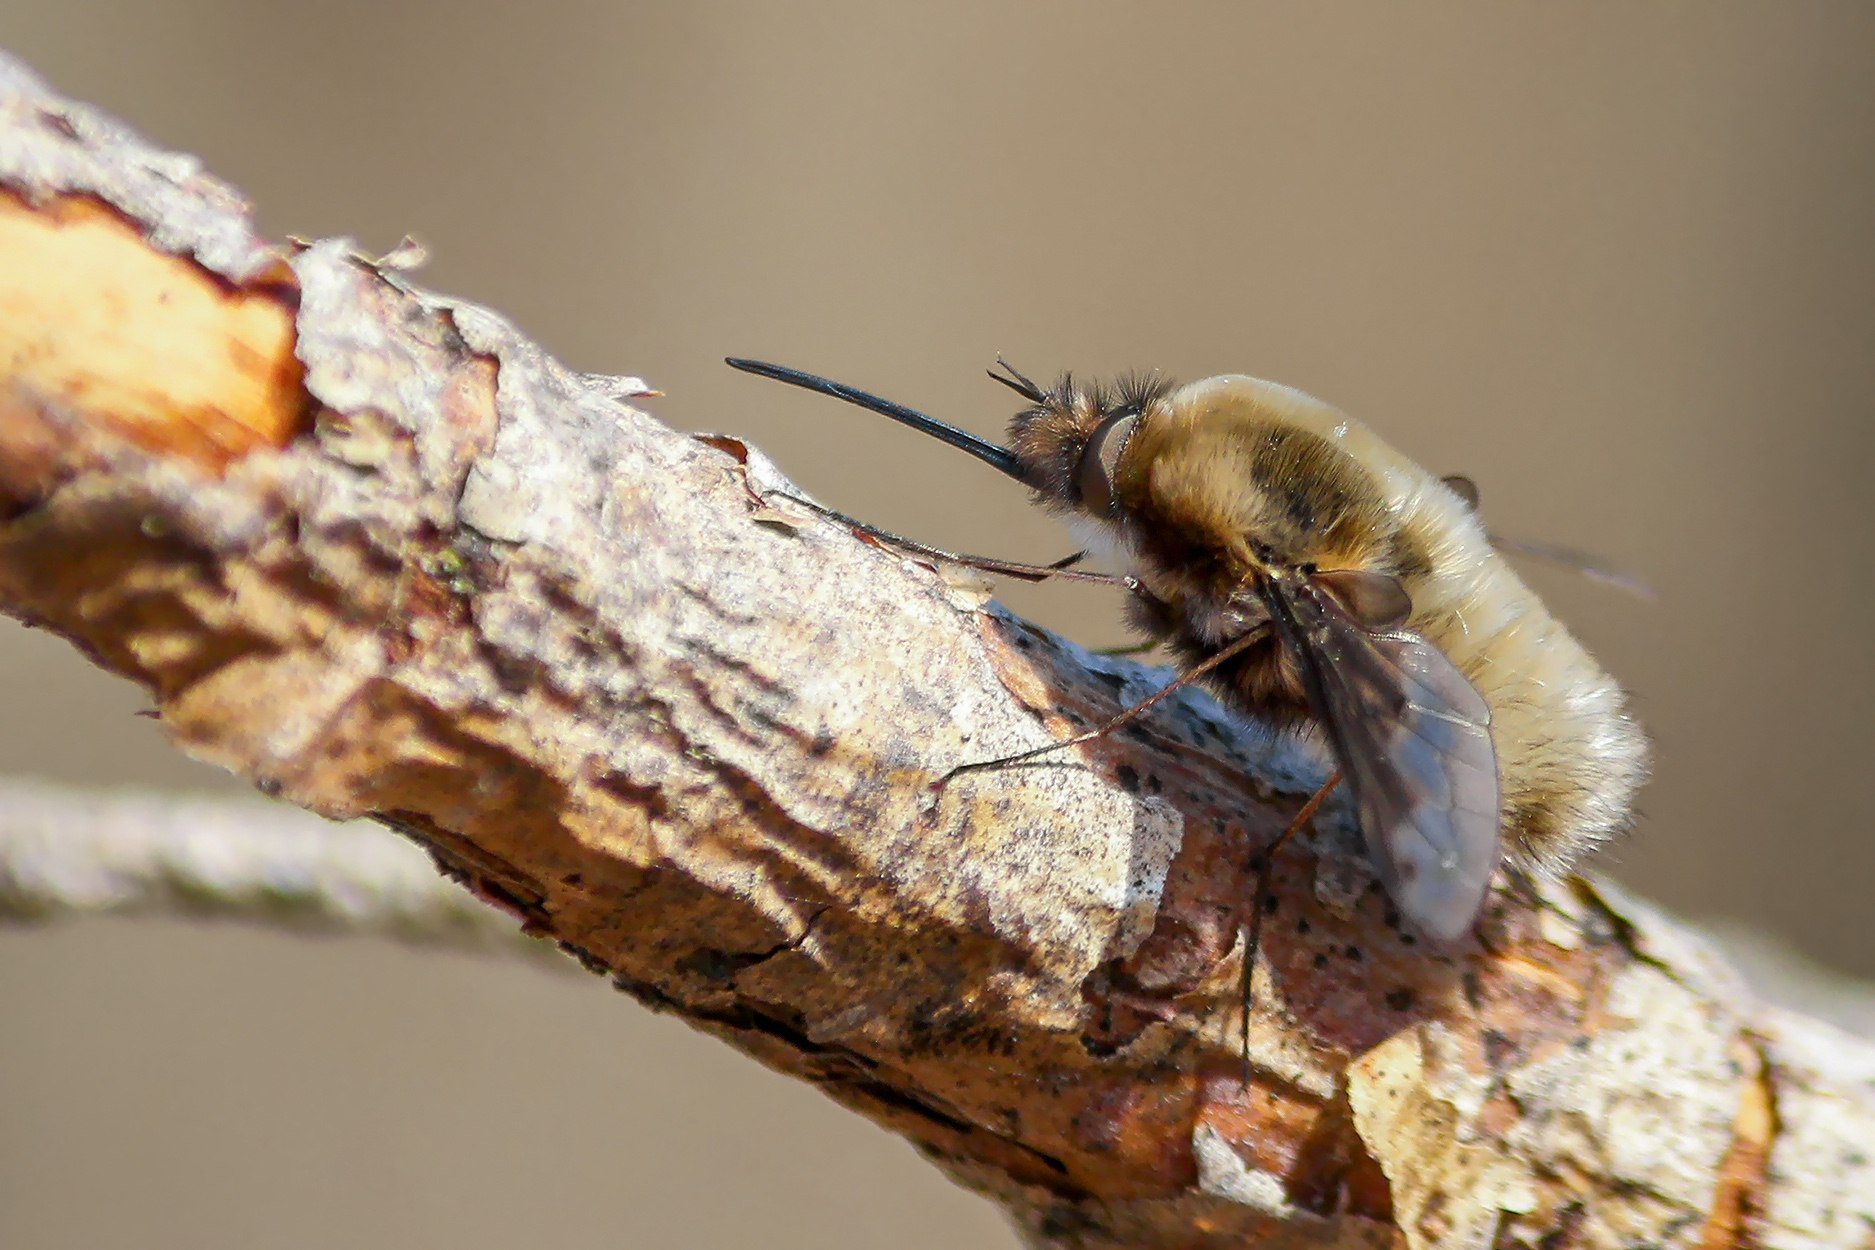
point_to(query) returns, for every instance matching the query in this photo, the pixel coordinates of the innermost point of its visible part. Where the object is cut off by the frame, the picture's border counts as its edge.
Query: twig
(64, 852)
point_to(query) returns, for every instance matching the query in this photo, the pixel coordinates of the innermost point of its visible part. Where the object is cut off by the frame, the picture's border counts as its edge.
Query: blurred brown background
(1617, 263)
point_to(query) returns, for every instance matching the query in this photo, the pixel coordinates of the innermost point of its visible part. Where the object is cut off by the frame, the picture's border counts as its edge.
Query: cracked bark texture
(374, 550)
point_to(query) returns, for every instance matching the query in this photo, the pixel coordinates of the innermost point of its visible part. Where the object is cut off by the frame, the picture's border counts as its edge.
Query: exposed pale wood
(155, 345)
(689, 732)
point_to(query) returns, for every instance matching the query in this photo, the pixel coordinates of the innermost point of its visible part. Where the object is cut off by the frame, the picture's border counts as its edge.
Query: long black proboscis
(999, 458)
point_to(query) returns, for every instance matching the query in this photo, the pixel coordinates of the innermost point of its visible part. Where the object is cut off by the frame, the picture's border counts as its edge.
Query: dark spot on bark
(708, 963)
(59, 122)
(1061, 1223)
(1400, 999)
(648, 798)
(1567, 1221)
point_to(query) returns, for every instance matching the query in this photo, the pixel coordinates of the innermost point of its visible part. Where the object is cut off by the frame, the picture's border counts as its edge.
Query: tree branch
(63, 852)
(374, 550)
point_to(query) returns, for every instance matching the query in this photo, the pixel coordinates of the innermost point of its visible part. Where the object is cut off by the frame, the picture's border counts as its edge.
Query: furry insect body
(1221, 482)
(1374, 605)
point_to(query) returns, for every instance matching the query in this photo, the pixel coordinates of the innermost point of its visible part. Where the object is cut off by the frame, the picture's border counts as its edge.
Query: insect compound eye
(1094, 477)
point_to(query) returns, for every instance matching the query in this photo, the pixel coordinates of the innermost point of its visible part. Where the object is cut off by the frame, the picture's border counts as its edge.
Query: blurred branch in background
(375, 551)
(65, 852)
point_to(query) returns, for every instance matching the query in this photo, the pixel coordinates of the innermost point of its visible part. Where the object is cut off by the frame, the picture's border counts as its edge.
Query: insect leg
(1009, 568)
(1131, 648)
(1253, 928)
(1183, 679)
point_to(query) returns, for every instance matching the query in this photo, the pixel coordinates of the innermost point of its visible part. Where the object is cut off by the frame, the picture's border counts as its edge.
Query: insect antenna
(1015, 381)
(998, 457)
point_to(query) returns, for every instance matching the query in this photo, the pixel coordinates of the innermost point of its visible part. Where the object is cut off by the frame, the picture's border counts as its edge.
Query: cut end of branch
(176, 359)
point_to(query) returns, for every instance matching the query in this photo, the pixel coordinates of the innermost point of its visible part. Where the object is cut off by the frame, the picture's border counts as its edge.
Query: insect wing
(1438, 854)
(1581, 562)
(1414, 740)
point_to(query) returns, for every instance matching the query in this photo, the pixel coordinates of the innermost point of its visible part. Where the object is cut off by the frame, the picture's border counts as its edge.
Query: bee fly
(1307, 573)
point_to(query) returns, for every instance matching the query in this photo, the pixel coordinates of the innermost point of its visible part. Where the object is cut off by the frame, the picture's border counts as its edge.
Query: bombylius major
(1306, 572)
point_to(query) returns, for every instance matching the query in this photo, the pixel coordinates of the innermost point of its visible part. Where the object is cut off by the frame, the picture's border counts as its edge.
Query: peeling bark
(373, 549)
